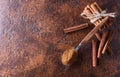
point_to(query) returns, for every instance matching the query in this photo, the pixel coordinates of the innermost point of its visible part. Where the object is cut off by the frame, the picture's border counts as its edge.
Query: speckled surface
(32, 39)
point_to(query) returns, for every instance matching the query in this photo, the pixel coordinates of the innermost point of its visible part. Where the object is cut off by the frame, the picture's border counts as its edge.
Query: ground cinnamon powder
(69, 57)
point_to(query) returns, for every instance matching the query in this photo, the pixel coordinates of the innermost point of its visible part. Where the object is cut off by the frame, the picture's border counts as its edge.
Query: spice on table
(107, 41)
(94, 53)
(75, 28)
(102, 43)
(68, 61)
(102, 22)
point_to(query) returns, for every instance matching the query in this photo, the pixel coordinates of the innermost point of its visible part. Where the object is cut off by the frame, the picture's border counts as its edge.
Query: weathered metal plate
(32, 39)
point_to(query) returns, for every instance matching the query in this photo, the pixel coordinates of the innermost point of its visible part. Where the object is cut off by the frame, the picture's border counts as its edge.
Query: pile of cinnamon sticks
(103, 36)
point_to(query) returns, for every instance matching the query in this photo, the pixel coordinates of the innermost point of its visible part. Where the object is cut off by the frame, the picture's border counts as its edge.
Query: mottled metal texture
(32, 39)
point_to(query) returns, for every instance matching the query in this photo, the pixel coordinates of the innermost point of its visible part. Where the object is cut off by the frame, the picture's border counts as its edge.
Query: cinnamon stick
(90, 11)
(94, 30)
(95, 8)
(109, 22)
(94, 53)
(107, 42)
(102, 43)
(75, 28)
(108, 49)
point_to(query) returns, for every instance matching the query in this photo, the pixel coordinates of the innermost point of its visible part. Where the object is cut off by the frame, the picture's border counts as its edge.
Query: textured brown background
(32, 39)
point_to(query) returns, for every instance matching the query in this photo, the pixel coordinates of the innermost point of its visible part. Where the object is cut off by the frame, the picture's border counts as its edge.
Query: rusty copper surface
(32, 39)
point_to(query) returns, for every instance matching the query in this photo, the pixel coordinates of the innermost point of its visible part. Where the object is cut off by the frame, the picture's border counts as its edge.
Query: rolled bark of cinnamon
(109, 22)
(108, 49)
(94, 53)
(102, 43)
(95, 8)
(107, 42)
(75, 28)
(90, 11)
